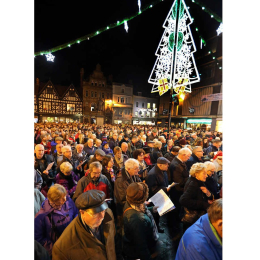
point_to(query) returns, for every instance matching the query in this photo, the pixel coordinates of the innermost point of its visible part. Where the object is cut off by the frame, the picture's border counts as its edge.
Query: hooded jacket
(61, 218)
(200, 242)
(76, 243)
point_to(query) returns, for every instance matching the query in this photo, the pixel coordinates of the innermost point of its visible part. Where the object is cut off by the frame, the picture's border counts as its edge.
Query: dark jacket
(138, 241)
(210, 149)
(72, 161)
(86, 183)
(41, 165)
(76, 243)
(155, 155)
(43, 228)
(107, 174)
(193, 159)
(156, 180)
(178, 173)
(212, 186)
(65, 183)
(40, 253)
(89, 151)
(193, 198)
(132, 147)
(169, 156)
(121, 184)
(113, 143)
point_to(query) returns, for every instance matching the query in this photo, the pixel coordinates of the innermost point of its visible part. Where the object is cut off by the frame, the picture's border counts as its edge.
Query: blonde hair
(56, 192)
(66, 167)
(197, 168)
(157, 144)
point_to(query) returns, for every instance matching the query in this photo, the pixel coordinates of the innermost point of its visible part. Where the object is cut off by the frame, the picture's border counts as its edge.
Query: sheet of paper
(49, 166)
(163, 202)
(173, 184)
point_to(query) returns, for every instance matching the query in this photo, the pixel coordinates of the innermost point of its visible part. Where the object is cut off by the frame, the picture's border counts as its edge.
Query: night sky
(127, 56)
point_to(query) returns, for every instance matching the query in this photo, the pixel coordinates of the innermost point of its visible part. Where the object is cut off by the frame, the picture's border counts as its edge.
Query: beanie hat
(137, 193)
(219, 153)
(182, 142)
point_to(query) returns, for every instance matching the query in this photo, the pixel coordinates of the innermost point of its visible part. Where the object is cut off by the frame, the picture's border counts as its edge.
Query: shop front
(199, 124)
(60, 119)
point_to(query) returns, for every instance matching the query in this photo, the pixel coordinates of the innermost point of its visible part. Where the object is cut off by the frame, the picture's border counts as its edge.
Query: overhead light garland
(118, 23)
(126, 26)
(139, 5)
(220, 29)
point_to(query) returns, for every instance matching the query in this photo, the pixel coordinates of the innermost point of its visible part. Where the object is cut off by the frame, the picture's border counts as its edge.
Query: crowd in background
(92, 186)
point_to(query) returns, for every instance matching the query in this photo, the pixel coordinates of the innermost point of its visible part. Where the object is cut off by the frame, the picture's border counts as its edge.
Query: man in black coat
(196, 157)
(173, 153)
(178, 174)
(113, 142)
(215, 147)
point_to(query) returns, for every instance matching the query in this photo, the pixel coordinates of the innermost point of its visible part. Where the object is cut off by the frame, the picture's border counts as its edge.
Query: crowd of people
(92, 186)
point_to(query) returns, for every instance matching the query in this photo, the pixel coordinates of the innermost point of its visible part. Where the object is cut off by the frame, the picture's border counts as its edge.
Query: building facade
(97, 97)
(145, 110)
(122, 103)
(55, 103)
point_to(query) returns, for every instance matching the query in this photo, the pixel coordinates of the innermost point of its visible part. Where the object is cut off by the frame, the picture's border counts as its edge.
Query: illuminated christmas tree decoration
(88, 38)
(220, 68)
(41, 53)
(212, 16)
(185, 71)
(151, 6)
(126, 26)
(220, 29)
(213, 58)
(50, 57)
(107, 27)
(97, 32)
(203, 7)
(139, 5)
(118, 22)
(163, 87)
(68, 45)
(197, 29)
(78, 41)
(209, 52)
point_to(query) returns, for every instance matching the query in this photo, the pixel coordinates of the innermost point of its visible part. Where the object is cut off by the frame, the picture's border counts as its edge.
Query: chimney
(81, 77)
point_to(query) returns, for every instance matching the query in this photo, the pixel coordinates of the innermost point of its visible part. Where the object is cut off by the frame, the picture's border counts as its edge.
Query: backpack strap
(126, 210)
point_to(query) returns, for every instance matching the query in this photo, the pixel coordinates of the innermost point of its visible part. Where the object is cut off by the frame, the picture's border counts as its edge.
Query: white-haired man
(89, 147)
(178, 174)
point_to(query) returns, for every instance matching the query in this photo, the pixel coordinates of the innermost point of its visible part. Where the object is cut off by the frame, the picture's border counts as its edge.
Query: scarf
(112, 174)
(143, 208)
(120, 161)
(69, 178)
(55, 206)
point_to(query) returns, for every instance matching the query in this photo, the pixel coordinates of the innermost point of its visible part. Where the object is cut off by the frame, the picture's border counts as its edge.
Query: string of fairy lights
(50, 57)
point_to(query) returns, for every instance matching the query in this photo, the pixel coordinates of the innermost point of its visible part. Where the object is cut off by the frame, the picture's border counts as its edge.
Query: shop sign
(206, 121)
(211, 97)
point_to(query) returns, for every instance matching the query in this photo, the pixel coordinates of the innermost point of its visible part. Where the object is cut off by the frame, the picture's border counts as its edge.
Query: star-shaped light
(220, 29)
(50, 57)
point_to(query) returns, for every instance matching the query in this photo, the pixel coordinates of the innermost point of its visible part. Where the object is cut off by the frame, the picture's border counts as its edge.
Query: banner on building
(212, 97)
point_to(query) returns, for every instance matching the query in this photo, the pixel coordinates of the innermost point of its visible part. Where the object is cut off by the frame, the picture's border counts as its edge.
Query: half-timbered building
(55, 103)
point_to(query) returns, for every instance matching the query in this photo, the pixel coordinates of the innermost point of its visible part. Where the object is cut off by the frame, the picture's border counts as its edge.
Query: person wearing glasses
(91, 235)
(196, 157)
(56, 212)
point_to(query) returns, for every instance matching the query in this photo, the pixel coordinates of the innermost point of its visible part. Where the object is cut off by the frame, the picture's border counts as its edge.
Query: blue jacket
(200, 242)
(43, 227)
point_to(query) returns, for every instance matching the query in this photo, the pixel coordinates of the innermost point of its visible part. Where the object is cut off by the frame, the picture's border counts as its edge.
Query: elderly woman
(56, 213)
(120, 158)
(67, 178)
(196, 197)
(140, 231)
(169, 145)
(106, 148)
(211, 181)
(139, 156)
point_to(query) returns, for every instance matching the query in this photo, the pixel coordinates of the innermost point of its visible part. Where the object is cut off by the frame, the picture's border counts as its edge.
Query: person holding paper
(156, 180)
(140, 231)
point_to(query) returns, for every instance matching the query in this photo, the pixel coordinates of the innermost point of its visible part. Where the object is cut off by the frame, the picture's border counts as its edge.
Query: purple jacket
(61, 218)
(65, 183)
(107, 151)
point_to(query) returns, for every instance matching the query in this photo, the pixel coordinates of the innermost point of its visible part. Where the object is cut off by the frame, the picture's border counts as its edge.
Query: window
(86, 93)
(95, 94)
(103, 85)
(136, 113)
(148, 114)
(92, 108)
(118, 99)
(136, 104)
(95, 83)
(126, 112)
(122, 90)
(72, 93)
(120, 112)
(92, 83)
(92, 94)
(70, 107)
(107, 95)
(122, 100)
(100, 84)
(153, 114)
(142, 105)
(103, 95)
(148, 105)
(99, 94)
(47, 105)
(154, 105)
